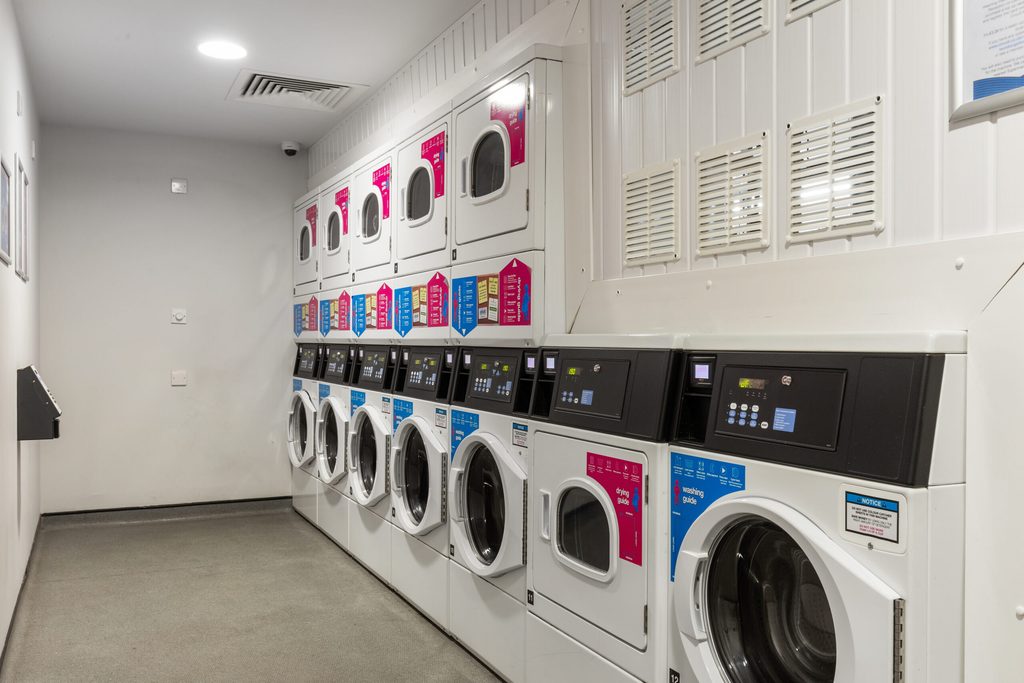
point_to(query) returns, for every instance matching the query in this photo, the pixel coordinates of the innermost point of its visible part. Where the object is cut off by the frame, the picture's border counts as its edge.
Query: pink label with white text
(384, 310)
(311, 310)
(623, 480)
(382, 179)
(508, 106)
(311, 219)
(437, 301)
(514, 293)
(342, 315)
(341, 200)
(432, 151)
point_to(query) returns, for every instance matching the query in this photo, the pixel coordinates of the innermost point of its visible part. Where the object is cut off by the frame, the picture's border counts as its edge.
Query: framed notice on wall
(5, 213)
(21, 221)
(986, 56)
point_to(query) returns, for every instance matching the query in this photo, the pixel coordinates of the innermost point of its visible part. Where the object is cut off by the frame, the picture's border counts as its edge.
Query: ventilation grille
(650, 43)
(287, 91)
(725, 24)
(651, 215)
(798, 9)
(732, 197)
(835, 173)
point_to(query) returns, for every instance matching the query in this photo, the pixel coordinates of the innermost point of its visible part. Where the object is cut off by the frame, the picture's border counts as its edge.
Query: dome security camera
(290, 149)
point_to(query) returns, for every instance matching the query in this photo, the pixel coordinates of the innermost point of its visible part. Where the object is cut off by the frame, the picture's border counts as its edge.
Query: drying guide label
(623, 480)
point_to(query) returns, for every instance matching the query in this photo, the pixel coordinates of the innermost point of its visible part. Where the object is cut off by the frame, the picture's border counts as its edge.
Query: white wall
(19, 331)
(119, 252)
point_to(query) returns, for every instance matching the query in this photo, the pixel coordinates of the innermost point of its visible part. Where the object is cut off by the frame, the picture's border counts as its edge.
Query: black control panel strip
(425, 372)
(496, 380)
(374, 367)
(335, 365)
(307, 361)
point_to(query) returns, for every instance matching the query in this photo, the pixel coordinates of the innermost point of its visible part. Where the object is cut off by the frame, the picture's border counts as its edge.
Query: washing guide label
(382, 180)
(422, 305)
(335, 314)
(696, 483)
(403, 409)
(508, 107)
(341, 201)
(311, 219)
(623, 481)
(357, 398)
(296, 385)
(871, 516)
(325, 391)
(502, 298)
(432, 151)
(463, 424)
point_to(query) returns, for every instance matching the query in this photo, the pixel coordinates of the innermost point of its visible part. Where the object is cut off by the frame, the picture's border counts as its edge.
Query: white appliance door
(334, 212)
(419, 472)
(423, 205)
(331, 441)
(304, 244)
(301, 425)
(492, 152)
(369, 447)
(371, 245)
(591, 547)
(763, 594)
(487, 489)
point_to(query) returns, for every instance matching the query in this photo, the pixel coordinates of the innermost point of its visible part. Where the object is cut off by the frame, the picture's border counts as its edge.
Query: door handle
(463, 166)
(545, 515)
(458, 514)
(401, 213)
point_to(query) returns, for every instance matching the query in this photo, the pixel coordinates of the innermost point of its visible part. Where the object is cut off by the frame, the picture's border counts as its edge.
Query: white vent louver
(725, 24)
(835, 164)
(651, 215)
(798, 9)
(288, 91)
(732, 197)
(650, 42)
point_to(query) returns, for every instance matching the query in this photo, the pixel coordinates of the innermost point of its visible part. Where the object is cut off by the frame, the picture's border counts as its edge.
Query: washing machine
(331, 438)
(333, 205)
(419, 479)
(369, 477)
(487, 489)
(302, 411)
(508, 156)
(305, 254)
(422, 175)
(371, 242)
(817, 517)
(603, 417)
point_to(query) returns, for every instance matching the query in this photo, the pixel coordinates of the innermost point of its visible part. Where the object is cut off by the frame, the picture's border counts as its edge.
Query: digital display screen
(549, 363)
(423, 371)
(374, 364)
(531, 363)
(493, 378)
(573, 372)
(702, 371)
(752, 383)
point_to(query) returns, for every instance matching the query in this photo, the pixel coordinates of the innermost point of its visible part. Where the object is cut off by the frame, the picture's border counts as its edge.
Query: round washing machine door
(368, 449)
(487, 488)
(301, 424)
(419, 473)
(763, 594)
(331, 441)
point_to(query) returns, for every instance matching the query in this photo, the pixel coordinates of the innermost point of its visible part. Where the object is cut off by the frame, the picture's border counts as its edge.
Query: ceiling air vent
(732, 197)
(651, 215)
(835, 169)
(798, 9)
(725, 24)
(650, 42)
(288, 91)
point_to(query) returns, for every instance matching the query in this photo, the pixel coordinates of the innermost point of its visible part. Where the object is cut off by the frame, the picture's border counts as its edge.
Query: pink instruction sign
(384, 309)
(382, 179)
(343, 318)
(622, 480)
(311, 310)
(311, 219)
(508, 107)
(515, 293)
(437, 301)
(341, 201)
(432, 151)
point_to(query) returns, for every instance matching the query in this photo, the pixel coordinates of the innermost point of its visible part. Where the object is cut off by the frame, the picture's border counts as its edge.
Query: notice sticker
(520, 435)
(870, 516)
(441, 418)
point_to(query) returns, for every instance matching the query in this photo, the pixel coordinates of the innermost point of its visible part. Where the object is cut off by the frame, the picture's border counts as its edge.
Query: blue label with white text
(325, 317)
(696, 483)
(403, 311)
(297, 319)
(359, 314)
(296, 385)
(357, 398)
(463, 424)
(325, 391)
(464, 304)
(403, 409)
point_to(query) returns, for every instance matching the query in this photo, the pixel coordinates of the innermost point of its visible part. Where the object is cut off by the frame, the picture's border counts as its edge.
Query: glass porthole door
(419, 473)
(301, 422)
(368, 456)
(331, 441)
(304, 242)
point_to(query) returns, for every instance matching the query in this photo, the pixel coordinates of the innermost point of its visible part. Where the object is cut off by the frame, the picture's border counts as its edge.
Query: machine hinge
(396, 267)
(645, 619)
(527, 199)
(525, 529)
(647, 488)
(387, 464)
(899, 616)
(455, 253)
(446, 225)
(444, 488)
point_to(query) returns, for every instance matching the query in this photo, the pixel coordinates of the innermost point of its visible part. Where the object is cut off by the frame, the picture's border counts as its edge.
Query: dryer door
(369, 446)
(304, 245)
(423, 207)
(487, 488)
(301, 424)
(419, 470)
(331, 441)
(590, 531)
(763, 594)
(334, 208)
(371, 245)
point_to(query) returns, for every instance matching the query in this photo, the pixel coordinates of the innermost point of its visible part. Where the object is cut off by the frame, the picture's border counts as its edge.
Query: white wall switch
(179, 378)
(179, 316)
(179, 186)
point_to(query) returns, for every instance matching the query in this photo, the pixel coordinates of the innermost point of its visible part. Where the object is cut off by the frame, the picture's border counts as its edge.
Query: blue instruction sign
(325, 318)
(403, 311)
(359, 314)
(325, 391)
(297, 319)
(464, 304)
(358, 398)
(463, 424)
(403, 409)
(296, 385)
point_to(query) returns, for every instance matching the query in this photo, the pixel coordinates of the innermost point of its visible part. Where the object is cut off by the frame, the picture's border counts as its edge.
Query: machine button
(744, 406)
(743, 423)
(764, 425)
(732, 406)
(743, 413)
(732, 413)
(732, 420)
(755, 408)
(753, 416)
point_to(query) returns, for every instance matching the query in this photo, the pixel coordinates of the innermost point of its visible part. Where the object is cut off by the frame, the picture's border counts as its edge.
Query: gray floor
(251, 592)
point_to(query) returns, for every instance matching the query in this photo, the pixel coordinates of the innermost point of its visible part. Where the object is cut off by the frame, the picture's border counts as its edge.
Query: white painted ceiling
(133, 64)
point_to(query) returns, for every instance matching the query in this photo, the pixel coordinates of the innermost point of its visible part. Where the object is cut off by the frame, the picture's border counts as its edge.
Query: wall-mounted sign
(986, 56)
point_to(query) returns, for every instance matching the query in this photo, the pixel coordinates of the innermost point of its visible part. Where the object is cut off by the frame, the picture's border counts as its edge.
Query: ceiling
(133, 64)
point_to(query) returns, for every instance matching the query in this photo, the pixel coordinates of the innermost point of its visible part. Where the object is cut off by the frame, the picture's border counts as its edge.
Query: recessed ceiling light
(220, 49)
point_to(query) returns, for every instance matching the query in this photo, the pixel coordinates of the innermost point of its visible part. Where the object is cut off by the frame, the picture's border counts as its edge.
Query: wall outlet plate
(179, 316)
(179, 378)
(179, 185)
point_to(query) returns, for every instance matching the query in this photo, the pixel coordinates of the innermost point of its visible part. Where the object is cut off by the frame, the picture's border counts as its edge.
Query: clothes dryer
(817, 511)
(332, 421)
(422, 174)
(371, 244)
(599, 548)
(334, 243)
(487, 488)
(302, 409)
(419, 479)
(369, 451)
(305, 253)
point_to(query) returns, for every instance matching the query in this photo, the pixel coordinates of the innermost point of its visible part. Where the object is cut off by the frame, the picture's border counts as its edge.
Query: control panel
(423, 370)
(592, 386)
(306, 360)
(493, 377)
(336, 365)
(374, 365)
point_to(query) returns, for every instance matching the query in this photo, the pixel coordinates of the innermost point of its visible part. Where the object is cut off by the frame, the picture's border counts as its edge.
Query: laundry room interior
(511, 340)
